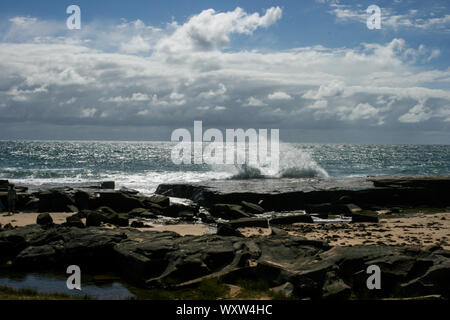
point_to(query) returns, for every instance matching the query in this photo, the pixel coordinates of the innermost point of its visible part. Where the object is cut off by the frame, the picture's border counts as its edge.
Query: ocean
(144, 165)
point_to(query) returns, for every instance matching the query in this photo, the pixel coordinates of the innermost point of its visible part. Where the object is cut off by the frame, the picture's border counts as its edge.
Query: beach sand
(24, 219)
(417, 230)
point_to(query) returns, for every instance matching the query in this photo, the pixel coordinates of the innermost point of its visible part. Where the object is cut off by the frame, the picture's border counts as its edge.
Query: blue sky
(310, 68)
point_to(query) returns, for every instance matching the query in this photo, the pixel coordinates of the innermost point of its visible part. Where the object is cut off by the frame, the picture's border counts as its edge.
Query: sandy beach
(416, 230)
(25, 219)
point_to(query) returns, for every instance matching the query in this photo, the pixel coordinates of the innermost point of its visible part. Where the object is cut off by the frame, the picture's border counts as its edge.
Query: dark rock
(32, 205)
(225, 229)
(163, 201)
(82, 199)
(137, 224)
(106, 210)
(278, 232)
(206, 218)
(119, 202)
(352, 209)
(176, 209)
(345, 200)
(228, 212)
(74, 221)
(94, 219)
(54, 201)
(285, 290)
(302, 218)
(365, 216)
(252, 208)
(141, 213)
(108, 185)
(249, 223)
(44, 219)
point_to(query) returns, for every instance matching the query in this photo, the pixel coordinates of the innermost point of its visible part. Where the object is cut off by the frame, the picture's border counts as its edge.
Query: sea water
(145, 165)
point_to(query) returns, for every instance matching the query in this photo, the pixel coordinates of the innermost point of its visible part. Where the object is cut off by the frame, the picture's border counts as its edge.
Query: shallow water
(51, 283)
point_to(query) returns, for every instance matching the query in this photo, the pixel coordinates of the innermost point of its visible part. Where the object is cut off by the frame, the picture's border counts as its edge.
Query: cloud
(409, 19)
(85, 79)
(211, 30)
(417, 114)
(279, 95)
(253, 102)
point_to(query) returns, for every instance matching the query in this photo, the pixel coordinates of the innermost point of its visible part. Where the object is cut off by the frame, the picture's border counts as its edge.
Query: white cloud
(416, 114)
(279, 95)
(253, 102)
(210, 30)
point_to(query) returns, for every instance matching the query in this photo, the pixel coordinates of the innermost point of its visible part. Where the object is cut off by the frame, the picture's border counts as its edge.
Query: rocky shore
(104, 229)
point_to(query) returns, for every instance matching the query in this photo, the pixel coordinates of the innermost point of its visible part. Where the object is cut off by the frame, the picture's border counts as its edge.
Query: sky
(137, 70)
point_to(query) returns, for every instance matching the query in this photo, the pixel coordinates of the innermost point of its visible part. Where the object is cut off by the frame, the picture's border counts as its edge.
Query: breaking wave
(294, 163)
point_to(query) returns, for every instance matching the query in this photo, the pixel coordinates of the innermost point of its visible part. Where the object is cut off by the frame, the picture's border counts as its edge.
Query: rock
(302, 218)
(72, 208)
(345, 199)
(278, 232)
(228, 212)
(249, 223)
(225, 229)
(106, 210)
(82, 199)
(108, 185)
(74, 221)
(365, 216)
(206, 218)
(8, 226)
(352, 209)
(54, 201)
(285, 290)
(141, 213)
(94, 219)
(335, 288)
(137, 224)
(119, 202)
(176, 209)
(32, 205)
(163, 201)
(44, 219)
(252, 208)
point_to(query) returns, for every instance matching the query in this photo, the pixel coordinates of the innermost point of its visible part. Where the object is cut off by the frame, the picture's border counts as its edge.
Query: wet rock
(44, 219)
